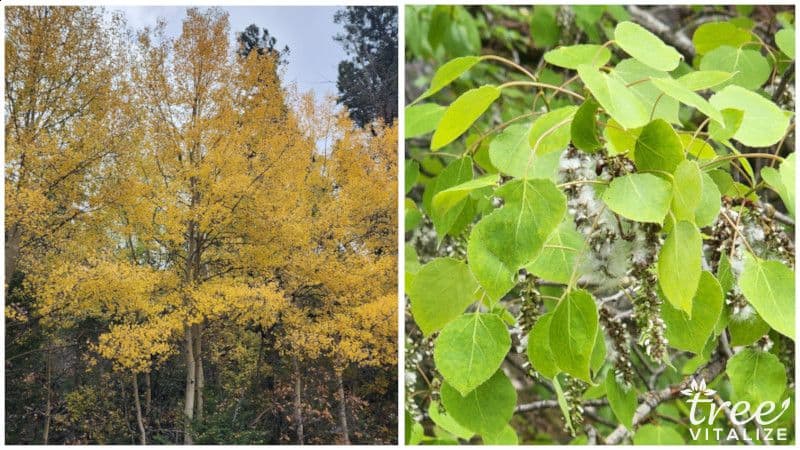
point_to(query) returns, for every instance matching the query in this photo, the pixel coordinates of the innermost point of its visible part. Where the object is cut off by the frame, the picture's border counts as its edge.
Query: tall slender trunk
(48, 407)
(342, 408)
(11, 255)
(298, 400)
(188, 403)
(148, 394)
(199, 376)
(139, 420)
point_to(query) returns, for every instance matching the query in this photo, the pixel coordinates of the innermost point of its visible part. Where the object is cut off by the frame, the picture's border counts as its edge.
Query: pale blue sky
(307, 30)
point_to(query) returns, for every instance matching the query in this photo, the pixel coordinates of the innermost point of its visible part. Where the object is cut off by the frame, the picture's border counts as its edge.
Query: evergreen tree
(367, 81)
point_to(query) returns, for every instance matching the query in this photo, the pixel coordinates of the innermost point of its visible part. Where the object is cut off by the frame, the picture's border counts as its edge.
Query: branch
(546, 404)
(654, 398)
(740, 431)
(675, 38)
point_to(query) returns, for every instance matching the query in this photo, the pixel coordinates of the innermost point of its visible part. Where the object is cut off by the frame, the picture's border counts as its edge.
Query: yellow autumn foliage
(194, 192)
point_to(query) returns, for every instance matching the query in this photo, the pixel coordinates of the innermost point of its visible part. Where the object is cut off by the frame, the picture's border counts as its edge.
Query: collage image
(399, 224)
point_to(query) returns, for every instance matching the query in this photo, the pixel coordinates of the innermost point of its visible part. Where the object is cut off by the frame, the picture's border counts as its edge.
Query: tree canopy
(194, 253)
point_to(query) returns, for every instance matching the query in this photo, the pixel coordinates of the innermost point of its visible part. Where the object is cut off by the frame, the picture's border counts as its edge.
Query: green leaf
(750, 70)
(550, 131)
(448, 72)
(447, 423)
(412, 174)
(583, 129)
(658, 148)
(487, 409)
(769, 287)
(687, 187)
(711, 35)
(733, 120)
(746, 327)
(756, 377)
(441, 291)
(462, 113)
(506, 436)
(539, 352)
(620, 140)
(785, 41)
(638, 76)
(573, 331)
(447, 205)
(570, 57)
(686, 96)
(598, 353)
(725, 274)
(557, 260)
(621, 399)
(710, 203)
(639, 196)
(562, 403)
(701, 80)
(413, 216)
(657, 435)
(774, 180)
(690, 333)
(787, 171)
(545, 29)
(679, 265)
(511, 154)
(414, 431)
(422, 119)
(457, 172)
(470, 349)
(696, 146)
(646, 47)
(508, 238)
(618, 100)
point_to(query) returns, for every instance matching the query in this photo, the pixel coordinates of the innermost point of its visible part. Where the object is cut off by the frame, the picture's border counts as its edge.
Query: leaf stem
(510, 63)
(742, 155)
(541, 85)
(577, 182)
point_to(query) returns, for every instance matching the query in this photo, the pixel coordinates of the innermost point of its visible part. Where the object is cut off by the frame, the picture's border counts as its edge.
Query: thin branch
(740, 431)
(654, 398)
(547, 404)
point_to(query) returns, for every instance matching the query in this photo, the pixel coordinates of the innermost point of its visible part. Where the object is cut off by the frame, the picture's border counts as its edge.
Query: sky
(307, 30)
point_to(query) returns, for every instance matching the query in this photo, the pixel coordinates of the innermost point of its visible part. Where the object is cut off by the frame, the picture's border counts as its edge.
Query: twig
(787, 75)
(740, 431)
(654, 398)
(546, 404)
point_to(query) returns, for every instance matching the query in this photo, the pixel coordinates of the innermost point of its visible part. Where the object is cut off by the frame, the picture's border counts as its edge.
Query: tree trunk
(342, 408)
(48, 407)
(11, 256)
(298, 400)
(148, 394)
(188, 404)
(139, 420)
(199, 376)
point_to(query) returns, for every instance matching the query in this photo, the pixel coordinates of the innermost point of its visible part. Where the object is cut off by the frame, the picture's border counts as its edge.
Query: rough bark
(342, 409)
(298, 400)
(188, 403)
(139, 420)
